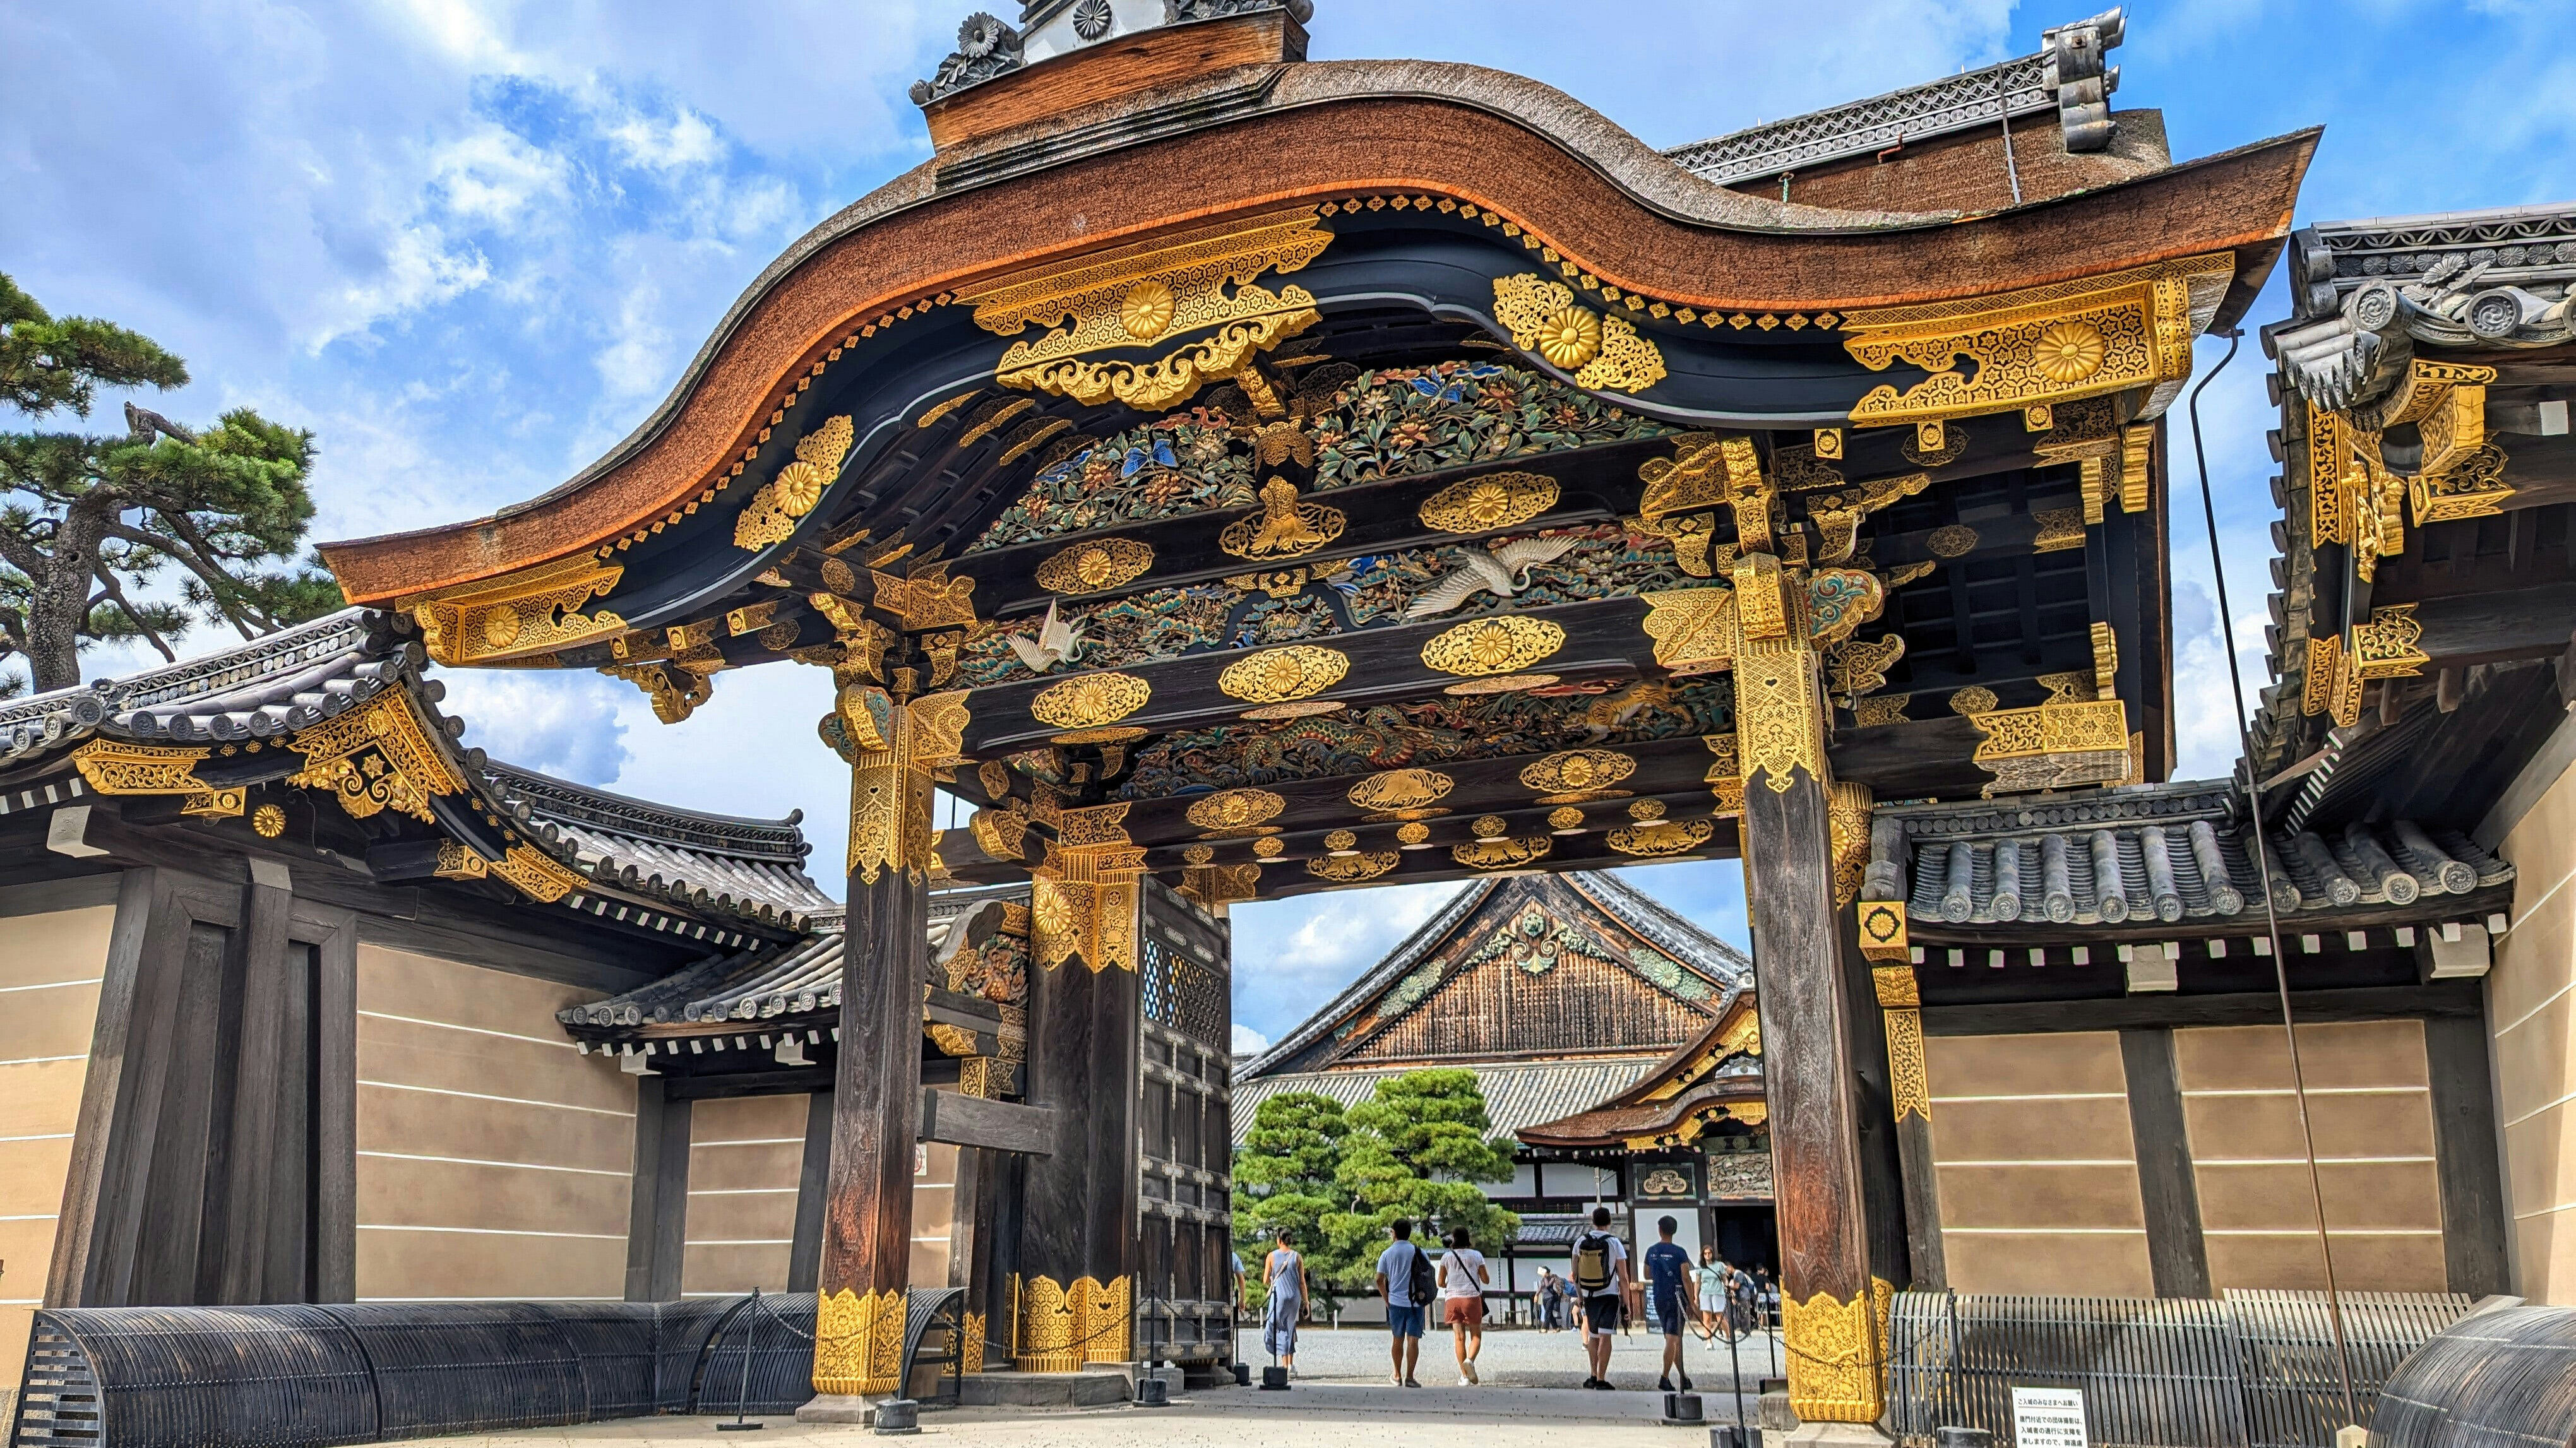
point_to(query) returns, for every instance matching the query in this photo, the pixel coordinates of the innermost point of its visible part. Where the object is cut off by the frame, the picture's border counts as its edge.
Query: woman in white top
(1463, 1275)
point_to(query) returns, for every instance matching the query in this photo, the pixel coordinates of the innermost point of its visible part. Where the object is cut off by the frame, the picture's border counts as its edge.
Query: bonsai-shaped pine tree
(88, 523)
(1417, 1151)
(1284, 1176)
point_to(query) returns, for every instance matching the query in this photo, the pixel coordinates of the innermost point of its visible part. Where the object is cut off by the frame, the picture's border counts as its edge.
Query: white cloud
(562, 724)
(1248, 1042)
(686, 140)
(489, 175)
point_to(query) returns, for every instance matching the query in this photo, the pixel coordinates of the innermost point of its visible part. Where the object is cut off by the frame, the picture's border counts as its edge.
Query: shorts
(1403, 1321)
(1668, 1314)
(1601, 1313)
(1463, 1311)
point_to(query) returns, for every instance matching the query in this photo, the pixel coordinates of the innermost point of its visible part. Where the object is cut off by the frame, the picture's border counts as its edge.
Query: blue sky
(471, 242)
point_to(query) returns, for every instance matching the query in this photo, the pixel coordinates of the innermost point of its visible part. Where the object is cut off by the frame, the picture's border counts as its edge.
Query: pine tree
(1284, 1177)
(1417, 1150)
(88, 523)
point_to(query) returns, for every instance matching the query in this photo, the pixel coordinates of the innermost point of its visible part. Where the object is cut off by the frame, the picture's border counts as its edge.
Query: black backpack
(1422, 1287)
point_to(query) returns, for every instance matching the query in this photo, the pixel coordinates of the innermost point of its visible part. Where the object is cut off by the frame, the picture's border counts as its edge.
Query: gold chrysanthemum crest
(1577, 770)
(1090, 701)
(1091, 567)
(772, 513)
(1234, 809)
(1602, 353)
(1275, 676)
(1496, 500)
(1496, 645)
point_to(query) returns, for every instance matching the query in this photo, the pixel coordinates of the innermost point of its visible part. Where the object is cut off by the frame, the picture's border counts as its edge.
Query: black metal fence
(2504, 1377)
(307, 1376)
(2254, 1370)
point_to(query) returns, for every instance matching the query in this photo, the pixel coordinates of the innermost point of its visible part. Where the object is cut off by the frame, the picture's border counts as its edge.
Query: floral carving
(1433, 732)
(1401, 421)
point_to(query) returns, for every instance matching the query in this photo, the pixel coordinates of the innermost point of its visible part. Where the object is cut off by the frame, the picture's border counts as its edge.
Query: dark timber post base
(876, 1108)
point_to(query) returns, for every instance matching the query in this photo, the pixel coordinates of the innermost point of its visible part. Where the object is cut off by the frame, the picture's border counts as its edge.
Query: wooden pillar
(813, 1183)
(866, 1259)
(1834, 1296)
(2168, 1191)
(2465, 1155)
(657, 1213)
(1074, 1294)
(876, 1110)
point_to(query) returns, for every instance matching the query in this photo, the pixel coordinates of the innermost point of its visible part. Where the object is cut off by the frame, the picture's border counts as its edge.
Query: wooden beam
(2490, 627)
(972, 1121)
(2177, 1253)
(2451, 998)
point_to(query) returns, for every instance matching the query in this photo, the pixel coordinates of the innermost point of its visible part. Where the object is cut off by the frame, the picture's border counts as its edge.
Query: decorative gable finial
(986, 48)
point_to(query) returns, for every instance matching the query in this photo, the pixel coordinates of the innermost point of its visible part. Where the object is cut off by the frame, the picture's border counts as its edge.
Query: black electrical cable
(2263, 869)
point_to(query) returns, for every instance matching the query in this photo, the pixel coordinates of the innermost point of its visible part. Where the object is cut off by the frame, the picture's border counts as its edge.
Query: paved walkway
(1342, 1402)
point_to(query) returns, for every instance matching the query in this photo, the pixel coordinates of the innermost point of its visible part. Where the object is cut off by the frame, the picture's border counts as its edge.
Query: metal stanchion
(742, 1402)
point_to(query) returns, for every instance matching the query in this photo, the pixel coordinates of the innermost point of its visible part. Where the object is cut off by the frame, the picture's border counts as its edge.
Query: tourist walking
(1283, 1277)
(1711, 1282)
(1550, 1300)
(1668, 1270)
(1601, 1276)
(1405, 1284)
(1463, 1275)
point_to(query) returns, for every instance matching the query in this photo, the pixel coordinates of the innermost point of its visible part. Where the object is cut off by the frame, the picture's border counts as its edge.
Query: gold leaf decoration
(1114, 734)
(269, 820)
(1496, 500)
(772, 513)
(1566, 821)
(1090, 700)
(1576, 770)
(1413, 836)
(1268, 849)
(1286, 528)
(1344, 869)
(1974, 699)
(1306, 709)
(1952, 540)
(1401, 789)
(1495, 645)
(1278, 675)
(1501, 684)
(858, 1342)
(1502, 853)
(1235, 809)
(1654, 835)
(1090, 567)
(1146, 291)
(1603, 353)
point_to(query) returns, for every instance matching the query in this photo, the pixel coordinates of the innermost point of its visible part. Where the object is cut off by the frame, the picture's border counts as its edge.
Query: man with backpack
(1601, 1276)
(1405, 1282)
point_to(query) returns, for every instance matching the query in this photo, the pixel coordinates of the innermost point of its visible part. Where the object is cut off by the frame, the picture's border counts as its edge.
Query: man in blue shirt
(1401, 1270)
(1668, 1272)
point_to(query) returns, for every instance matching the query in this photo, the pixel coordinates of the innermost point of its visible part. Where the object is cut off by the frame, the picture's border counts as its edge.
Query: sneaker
(1471, 1373)
(1604, 1385)
(1463, 1381)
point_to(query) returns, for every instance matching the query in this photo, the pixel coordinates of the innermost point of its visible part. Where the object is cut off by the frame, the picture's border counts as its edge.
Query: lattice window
(1186, 996)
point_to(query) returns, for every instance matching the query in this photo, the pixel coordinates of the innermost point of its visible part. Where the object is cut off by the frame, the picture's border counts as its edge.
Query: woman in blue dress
(1283, 1276)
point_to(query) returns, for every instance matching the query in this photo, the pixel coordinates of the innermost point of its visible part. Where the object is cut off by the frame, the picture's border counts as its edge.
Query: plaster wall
(2036, 1168)
(2370, 1107)
(746, 1155)
(494, 1161)
(2531, 1013)
(50, 968)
